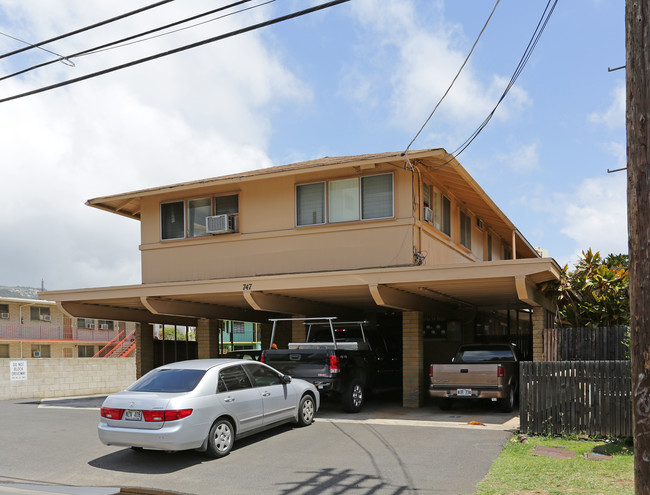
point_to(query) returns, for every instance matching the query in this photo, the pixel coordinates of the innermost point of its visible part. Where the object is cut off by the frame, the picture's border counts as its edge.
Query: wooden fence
(585, 344)
(583, 397)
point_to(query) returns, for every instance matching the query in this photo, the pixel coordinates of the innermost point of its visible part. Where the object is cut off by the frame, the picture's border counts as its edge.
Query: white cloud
(614, 116)
(203, 113)
(595, 214)
(428, 55)
(524, 158)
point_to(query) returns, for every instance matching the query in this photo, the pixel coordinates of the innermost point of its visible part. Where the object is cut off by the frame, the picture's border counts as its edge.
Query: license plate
(132, 415)
(464, 392)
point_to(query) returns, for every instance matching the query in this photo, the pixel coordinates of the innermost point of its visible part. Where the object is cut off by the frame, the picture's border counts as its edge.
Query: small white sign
(18, 370)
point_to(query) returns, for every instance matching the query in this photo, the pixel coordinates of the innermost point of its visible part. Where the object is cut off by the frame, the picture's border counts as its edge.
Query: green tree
(595, 293)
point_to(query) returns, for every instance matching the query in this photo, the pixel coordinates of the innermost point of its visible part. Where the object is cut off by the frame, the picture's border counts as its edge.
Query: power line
(541, 26)
(87, 28)
(61, 57)
(123, 42)
(177, 50)
(453, 81)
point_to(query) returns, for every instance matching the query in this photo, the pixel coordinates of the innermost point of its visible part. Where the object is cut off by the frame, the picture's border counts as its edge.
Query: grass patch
(518, 471)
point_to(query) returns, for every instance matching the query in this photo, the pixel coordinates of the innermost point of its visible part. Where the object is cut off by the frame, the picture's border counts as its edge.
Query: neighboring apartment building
(413, 245)
(33, 328)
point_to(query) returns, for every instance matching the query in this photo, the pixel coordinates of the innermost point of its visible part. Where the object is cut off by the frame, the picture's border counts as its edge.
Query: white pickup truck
(478, 371)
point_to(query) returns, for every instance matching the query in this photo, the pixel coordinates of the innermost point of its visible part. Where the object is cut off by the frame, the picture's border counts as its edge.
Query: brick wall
(539, 323)
(61, 377)
(143, 348)
(207, 338)
(413, 347)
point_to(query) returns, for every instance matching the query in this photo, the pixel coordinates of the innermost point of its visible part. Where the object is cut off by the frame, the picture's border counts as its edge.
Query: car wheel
(221, 438)
(445, 404)
(353, 397)
(507, 404)
(306, 410)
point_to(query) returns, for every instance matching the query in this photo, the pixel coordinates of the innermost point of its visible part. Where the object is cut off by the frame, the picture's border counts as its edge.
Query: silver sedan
(204, 404)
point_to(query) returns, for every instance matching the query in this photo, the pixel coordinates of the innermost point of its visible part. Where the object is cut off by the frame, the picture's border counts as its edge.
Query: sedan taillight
(111, 413)
(177, 414)
(161, 416)
(501, 371)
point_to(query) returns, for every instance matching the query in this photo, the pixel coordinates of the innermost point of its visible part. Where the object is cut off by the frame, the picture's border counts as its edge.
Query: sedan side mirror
(286, 379)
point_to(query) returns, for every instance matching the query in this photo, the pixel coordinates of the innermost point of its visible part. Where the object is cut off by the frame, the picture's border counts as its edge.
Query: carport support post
(539, 320)
(207, 338)
(413, 359)
(143, 348)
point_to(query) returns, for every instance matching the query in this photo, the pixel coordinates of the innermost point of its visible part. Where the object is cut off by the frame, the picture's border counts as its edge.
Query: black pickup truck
(342, 359)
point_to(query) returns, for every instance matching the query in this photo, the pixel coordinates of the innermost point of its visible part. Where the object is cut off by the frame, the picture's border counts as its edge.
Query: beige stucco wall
(269, 242)
(58, 377)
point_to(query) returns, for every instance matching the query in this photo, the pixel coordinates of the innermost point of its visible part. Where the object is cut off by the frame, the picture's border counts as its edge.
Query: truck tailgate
(299, 363)
(464, 375)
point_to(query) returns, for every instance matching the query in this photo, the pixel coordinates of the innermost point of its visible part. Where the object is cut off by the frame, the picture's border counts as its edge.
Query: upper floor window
(466, 230)
(343, 200)
(507, 254)
(38, 313)
(4, 311)
(85, 323)
(489, 247)
(172, 220)
(198, 210)
(377, 196)
(310, 204)
(190, 218)
(347, 200)
(440, 209)
(105, 324)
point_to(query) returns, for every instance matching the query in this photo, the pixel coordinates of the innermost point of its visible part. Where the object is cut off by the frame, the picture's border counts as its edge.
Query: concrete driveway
(52, 447)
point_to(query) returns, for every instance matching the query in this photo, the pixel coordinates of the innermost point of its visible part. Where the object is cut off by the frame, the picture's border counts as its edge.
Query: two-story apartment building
(413, 245)
(34, 328)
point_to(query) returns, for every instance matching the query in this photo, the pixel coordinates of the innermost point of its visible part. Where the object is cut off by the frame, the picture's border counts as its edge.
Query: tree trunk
(638, 98)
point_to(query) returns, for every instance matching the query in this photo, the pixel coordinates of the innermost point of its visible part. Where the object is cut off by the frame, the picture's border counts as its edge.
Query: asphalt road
(52, 447)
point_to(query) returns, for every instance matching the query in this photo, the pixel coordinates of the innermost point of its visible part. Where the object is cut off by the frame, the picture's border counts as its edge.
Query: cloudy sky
(361, 77)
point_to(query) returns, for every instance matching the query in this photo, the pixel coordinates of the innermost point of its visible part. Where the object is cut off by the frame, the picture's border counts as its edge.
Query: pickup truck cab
(343, 359)
(478, 371)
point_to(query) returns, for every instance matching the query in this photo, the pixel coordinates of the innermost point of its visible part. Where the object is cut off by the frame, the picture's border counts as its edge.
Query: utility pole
(637, 43)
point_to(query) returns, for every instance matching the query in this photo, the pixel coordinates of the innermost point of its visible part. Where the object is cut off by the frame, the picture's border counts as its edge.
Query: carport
(411, 292)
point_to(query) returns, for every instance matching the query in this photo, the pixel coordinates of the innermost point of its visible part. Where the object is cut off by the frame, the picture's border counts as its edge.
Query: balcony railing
(55, 333)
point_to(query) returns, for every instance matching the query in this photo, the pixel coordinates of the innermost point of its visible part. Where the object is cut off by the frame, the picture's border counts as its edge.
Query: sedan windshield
(168, 380)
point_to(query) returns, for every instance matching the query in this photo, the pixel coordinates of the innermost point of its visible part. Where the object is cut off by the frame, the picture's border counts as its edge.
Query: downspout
(419, 219)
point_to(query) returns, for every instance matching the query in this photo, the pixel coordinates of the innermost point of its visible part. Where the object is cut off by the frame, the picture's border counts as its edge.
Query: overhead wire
(452, 82)
(541, 26)
(84, 29)
(177, 50)
(129, 40)
(539, 30)
(61, 57)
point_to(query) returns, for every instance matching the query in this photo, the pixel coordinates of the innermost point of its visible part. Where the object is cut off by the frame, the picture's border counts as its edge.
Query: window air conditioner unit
(4, 316)
(46, 318)
(103, 326)
(480, 224)
(220, 224)
(90, 325)
(428, 214)
(36, 353)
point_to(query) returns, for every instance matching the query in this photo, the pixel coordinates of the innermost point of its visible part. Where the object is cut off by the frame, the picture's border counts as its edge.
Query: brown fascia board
(326, 163)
